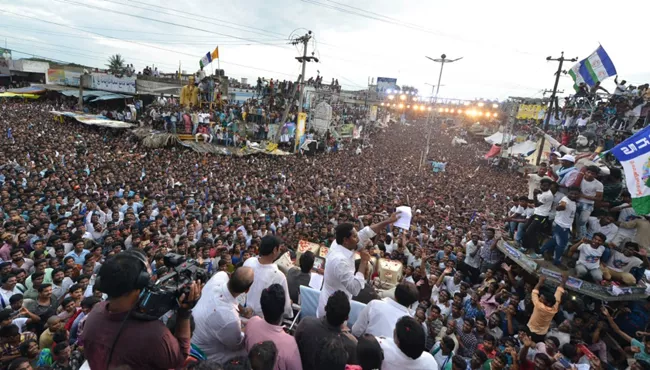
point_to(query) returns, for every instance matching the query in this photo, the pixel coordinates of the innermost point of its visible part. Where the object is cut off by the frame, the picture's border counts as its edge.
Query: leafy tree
(116, 64)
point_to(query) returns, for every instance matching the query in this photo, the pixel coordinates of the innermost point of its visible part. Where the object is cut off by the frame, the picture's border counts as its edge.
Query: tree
(409, 89)
(116, 64)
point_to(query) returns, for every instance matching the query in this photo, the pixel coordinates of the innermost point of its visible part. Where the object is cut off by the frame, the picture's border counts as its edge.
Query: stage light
(495, 105)
(408, 106)
(480, 113)
(429, 108)
(466, 103)
(391, 97)
(382, 104)
(452, 111)
(393, 104)
(403, 97)
(388, 91)
(422, 107)
(401, 105)
(495, 115)
(480, 104)
(415, 98)
(440, 110)
(460, 111)
(415, 107)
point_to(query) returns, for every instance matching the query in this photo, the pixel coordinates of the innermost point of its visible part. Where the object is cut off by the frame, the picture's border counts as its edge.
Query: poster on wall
(63, 77)
(106, 82)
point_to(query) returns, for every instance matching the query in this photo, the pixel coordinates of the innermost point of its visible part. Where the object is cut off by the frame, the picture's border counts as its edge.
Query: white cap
(568, 157)
(556, 153)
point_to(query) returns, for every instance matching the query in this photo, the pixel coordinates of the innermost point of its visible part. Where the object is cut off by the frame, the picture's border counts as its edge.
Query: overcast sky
(504, 43)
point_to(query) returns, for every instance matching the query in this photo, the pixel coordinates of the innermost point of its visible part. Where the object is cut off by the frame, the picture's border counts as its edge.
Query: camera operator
(114, 333)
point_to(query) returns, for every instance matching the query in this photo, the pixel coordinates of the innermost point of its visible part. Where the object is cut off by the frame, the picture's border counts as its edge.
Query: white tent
(497, 138)
(525, 147)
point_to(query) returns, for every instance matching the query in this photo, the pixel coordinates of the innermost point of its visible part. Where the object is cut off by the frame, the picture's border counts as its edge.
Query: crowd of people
(88, 215)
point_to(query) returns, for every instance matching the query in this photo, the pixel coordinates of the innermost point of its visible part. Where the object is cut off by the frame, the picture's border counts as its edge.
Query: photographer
(115, 335)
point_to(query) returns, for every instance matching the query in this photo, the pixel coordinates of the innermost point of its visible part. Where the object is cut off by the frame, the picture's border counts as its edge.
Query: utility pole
(304, 40)
(549, 112)
(81, 92)
(300, 83)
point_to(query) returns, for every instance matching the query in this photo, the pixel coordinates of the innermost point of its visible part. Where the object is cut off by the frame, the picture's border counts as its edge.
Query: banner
(106, 82)
(63, 77)
(5, 60)
(386, 83)
(346, 130)
(373, 113)
(300, 128)
(494, 151)
(531, 111)
(95, 120)
(634, 155)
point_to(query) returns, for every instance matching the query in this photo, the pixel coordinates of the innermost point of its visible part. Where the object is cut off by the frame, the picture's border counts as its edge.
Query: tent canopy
(497, 138)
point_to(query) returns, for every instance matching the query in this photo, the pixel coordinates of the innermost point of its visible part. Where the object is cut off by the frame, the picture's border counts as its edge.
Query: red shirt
(142, 344)
(490, 355)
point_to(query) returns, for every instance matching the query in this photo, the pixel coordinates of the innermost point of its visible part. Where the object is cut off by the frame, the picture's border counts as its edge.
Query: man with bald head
(216, 315)
(54, 324)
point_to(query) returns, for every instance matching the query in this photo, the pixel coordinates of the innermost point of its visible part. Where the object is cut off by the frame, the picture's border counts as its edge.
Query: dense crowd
(78, 202)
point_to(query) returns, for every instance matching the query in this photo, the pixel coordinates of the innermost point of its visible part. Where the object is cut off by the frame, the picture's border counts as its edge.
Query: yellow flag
(215, 53)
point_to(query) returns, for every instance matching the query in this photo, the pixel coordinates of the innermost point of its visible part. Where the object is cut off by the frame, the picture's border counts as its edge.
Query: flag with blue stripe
(595, 68)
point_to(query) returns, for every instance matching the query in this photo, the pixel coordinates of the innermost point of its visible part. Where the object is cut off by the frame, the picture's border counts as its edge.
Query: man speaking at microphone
(339, 267)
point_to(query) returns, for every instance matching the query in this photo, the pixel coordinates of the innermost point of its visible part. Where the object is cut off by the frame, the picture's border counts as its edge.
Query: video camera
(163, 295)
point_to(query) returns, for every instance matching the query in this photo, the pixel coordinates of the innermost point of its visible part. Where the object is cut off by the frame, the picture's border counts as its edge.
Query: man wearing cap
(567, 174)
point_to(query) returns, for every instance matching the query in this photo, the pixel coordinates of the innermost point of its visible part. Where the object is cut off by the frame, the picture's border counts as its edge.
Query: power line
(30, 42)
(157, 7)
(40, 56)
(139, 43)
(160, 21)
(152, 46)
(382, 18)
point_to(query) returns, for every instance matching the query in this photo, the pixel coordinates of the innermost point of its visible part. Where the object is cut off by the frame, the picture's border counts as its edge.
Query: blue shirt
(78, 259)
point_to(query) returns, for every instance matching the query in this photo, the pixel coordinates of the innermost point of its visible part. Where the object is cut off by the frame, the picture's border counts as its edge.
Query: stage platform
(553, 275)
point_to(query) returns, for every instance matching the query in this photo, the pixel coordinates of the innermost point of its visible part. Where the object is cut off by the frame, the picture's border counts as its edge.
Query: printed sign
(106, 82)
(63, 77)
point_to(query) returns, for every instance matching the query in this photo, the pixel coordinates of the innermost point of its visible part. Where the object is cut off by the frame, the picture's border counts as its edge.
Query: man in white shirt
(218, 327)
(626, 212)
(379, 317)
(564, 215)
(8, 289)
(589, 259)
(620, 264)
(540, 215)
(592, 190)
(470, 266)
(405, 350)
(534, 180)
(267, 274)
(603, 224)
(339, 265)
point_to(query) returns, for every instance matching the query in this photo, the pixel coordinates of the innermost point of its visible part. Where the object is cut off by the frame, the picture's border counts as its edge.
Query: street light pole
(442, 60)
